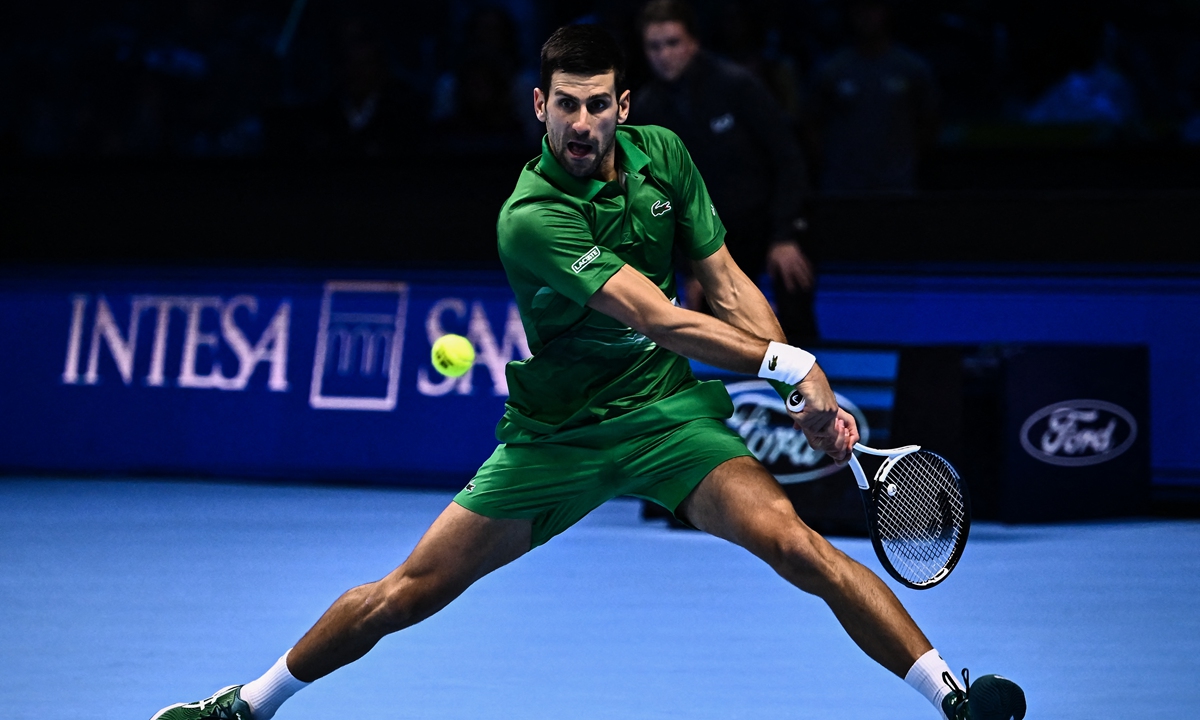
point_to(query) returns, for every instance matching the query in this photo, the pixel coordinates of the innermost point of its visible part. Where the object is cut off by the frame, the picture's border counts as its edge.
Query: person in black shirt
(740, 141)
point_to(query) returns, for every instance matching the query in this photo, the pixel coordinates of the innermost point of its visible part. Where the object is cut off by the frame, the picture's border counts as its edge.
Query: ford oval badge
(1078, 432)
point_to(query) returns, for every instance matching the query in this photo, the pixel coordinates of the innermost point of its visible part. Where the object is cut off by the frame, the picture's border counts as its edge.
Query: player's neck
(607, 172)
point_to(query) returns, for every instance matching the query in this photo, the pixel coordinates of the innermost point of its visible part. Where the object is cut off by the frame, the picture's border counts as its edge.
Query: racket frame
(870, 506)
(795, 404)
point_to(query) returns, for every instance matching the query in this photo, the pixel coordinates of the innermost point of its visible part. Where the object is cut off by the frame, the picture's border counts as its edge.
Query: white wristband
(786, 363)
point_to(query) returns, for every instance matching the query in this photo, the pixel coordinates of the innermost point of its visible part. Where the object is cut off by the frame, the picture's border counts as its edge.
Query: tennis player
(608, 406)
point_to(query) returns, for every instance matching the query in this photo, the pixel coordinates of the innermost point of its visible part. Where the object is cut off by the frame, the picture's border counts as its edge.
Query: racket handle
(859, 476)
(795, 404)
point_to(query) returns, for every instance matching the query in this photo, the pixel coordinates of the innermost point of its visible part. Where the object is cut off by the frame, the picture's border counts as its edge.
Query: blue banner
(257, 375)
(311, 375)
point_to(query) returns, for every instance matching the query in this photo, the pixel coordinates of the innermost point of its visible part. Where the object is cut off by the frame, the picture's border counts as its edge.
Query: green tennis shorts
(556, 484)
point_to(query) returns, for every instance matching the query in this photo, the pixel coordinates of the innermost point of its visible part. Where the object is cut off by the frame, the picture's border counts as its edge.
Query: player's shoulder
(533, 191)
(648, 137)
(661, 145)
(534, 212)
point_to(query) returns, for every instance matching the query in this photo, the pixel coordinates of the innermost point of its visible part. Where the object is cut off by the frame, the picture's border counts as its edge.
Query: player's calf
(405, 598)
(807, 560)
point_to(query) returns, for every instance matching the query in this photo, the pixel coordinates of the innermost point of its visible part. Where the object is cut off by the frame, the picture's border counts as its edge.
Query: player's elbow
(662, 324)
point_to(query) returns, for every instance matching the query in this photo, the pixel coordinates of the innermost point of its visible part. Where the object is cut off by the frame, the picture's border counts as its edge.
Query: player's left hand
(786, 263)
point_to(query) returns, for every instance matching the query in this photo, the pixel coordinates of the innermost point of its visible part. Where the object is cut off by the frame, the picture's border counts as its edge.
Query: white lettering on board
(210, 323)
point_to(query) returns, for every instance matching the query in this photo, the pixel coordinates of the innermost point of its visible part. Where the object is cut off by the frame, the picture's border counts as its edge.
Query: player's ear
(623, 107)
(539, 104)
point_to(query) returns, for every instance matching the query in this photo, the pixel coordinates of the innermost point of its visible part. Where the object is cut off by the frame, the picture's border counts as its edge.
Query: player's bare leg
(458, 549)
(741, 502)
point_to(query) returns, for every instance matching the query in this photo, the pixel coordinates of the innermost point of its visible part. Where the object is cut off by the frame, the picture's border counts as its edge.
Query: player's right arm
(631, 298)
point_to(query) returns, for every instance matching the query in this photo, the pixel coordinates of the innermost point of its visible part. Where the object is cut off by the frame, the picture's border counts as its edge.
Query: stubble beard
(603, 149)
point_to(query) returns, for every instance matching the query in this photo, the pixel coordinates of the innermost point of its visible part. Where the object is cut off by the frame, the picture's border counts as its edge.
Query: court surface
(117, 598)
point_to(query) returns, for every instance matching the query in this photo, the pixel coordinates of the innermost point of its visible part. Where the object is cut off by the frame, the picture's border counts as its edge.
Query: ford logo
(1078, 432)
(760, 418)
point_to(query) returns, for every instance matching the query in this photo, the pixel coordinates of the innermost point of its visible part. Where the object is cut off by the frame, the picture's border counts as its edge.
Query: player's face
(581, 113)
(669, 48)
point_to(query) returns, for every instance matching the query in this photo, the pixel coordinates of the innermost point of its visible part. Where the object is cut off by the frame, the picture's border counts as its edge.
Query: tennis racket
(918, 511)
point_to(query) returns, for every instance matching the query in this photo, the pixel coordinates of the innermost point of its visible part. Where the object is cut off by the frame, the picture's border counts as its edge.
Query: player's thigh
(741, 502)
(665, 467)
(551, 485)
(460, 547)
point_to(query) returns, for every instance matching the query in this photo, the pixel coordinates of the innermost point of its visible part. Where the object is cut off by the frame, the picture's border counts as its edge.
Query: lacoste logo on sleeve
(586, 260)
(771, 365)
(659, 208)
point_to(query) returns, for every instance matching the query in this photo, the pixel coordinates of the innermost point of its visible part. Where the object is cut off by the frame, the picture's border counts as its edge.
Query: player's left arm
(633, 299)
(733, 296)
(737, 301)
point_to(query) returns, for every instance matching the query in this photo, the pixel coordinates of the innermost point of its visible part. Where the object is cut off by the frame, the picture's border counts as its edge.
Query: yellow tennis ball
(453, 355)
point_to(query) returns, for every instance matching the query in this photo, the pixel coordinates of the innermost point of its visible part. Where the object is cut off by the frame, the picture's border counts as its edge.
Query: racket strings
(920, 522)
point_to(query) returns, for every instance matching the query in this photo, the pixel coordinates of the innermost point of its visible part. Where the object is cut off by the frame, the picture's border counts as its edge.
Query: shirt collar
(630, 158)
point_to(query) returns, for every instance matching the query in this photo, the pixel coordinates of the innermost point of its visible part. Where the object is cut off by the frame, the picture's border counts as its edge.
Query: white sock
(925, 676)
(266, 694)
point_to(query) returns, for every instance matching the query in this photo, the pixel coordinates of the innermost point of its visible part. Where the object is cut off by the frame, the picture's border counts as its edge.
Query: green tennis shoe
(991, 697)
(225, 704)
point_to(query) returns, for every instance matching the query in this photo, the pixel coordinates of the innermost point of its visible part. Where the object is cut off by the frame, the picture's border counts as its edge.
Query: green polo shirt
(560, 239)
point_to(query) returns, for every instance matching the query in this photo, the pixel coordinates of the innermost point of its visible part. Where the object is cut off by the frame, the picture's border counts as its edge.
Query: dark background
(202, 131)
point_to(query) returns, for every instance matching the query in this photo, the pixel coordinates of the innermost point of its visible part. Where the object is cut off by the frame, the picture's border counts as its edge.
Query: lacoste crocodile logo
(660, 208)
(771, 365)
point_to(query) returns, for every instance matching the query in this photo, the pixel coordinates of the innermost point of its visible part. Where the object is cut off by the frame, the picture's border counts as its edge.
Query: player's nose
(582, 125)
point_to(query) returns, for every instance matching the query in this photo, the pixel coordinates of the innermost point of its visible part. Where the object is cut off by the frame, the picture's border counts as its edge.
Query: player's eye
(597, 106)
(567, 105)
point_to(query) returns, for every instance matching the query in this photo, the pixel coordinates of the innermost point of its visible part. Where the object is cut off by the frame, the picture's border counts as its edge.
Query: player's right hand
(827, 427)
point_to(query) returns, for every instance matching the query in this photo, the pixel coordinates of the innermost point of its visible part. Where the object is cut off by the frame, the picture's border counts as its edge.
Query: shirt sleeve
(699, 231)
(555, 245)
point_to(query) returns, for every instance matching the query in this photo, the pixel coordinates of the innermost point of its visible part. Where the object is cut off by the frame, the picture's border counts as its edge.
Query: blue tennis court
(120, 597)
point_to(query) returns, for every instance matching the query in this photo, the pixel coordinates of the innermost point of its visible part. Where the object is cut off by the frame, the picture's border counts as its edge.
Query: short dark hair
(660, 11)
(583, 50)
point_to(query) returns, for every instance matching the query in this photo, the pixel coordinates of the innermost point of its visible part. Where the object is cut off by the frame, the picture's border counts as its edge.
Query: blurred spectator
(204, 83)
(742, 33)
(366, 115)
(1099, 95)
(1189, 84)
(873, 109)
(485, 102)
(742, 144)
(1082, 84)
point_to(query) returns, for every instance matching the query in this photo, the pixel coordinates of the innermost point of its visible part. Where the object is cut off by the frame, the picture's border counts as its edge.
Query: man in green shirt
(607, 404)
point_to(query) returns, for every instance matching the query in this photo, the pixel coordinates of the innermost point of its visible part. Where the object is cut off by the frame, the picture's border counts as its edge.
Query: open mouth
(578, 149)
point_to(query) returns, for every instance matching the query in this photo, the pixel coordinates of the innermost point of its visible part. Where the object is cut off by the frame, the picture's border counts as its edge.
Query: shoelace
(961, 695)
